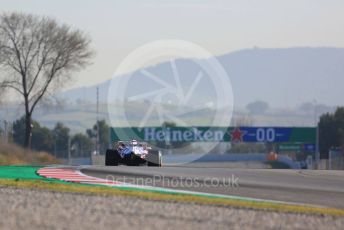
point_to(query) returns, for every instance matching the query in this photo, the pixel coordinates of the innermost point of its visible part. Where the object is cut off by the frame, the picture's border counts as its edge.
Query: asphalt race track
(323, 188)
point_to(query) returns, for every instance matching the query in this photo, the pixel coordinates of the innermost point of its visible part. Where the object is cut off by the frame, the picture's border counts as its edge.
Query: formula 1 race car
(132, 153)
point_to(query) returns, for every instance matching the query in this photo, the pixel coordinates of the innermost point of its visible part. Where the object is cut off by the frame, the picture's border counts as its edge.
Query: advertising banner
(217, 134)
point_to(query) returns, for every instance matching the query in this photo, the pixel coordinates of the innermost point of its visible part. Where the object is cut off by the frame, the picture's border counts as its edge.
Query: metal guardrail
(336, 160)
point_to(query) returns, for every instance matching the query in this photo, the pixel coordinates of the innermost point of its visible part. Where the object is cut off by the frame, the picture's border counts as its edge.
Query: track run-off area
(315, 191)
(315, 187)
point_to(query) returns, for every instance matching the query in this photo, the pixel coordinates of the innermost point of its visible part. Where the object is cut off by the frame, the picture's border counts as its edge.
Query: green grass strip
(22, 172)
(25, 172)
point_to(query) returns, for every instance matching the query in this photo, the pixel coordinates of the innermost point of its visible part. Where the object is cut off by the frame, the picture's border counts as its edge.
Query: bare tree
(37, 55)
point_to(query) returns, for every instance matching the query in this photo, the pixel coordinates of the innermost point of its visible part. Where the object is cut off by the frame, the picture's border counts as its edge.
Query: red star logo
(237, 135)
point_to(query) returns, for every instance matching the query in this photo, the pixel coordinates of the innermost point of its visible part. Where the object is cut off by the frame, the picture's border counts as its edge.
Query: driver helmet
(120, 144)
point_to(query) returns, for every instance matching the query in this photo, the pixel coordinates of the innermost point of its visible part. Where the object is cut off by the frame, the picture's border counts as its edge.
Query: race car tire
(154, 158)
(111, 157)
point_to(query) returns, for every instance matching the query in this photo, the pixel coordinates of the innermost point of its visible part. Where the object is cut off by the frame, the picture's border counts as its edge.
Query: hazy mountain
(285, 81)
(281, 77)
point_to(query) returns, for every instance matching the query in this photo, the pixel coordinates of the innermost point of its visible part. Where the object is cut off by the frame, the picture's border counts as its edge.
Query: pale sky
(119, 27)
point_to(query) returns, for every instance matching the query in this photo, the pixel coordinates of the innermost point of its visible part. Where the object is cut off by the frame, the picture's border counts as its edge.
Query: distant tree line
(331, 131)
(59, 139)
